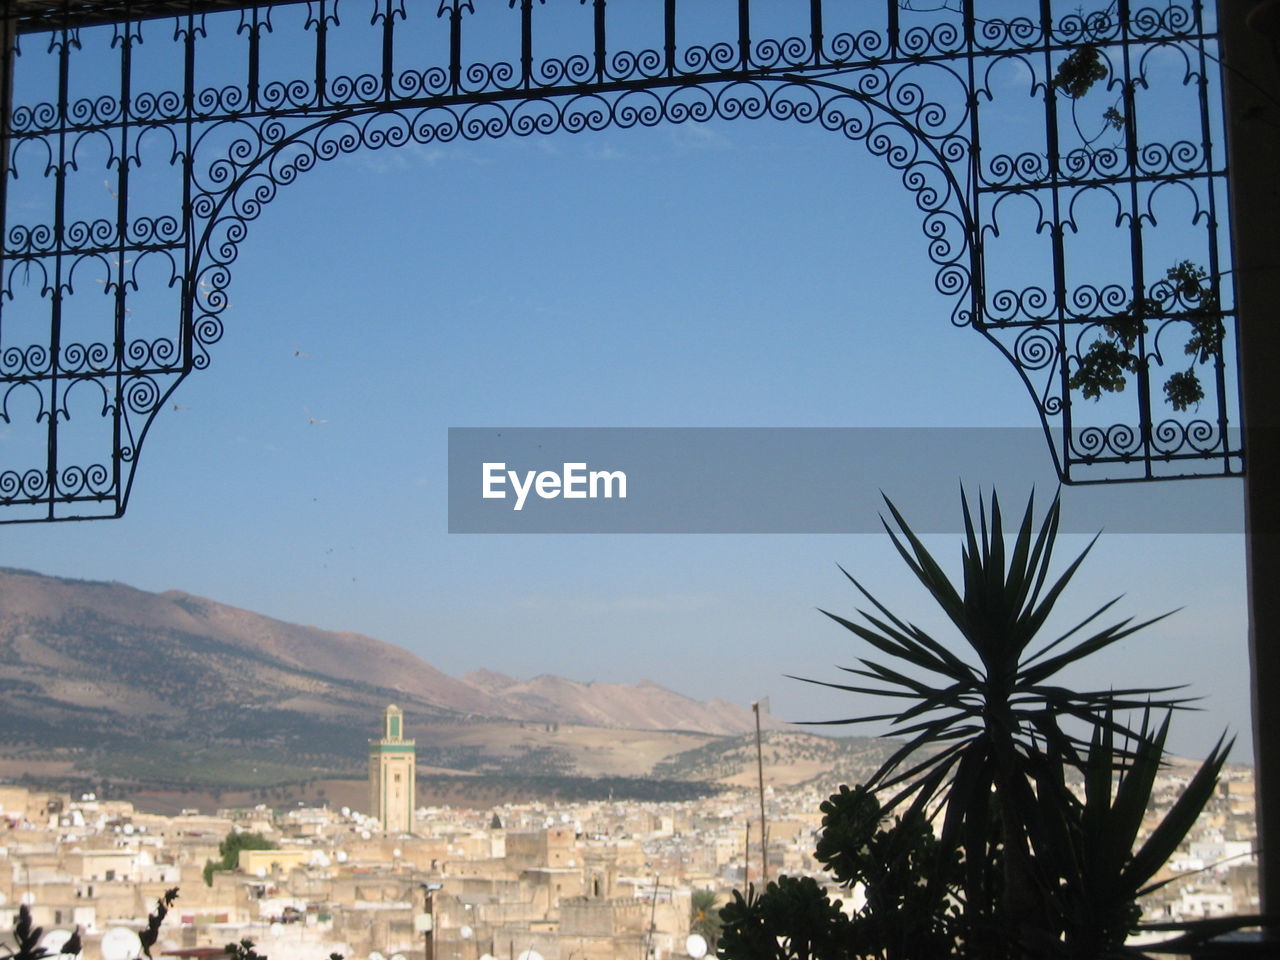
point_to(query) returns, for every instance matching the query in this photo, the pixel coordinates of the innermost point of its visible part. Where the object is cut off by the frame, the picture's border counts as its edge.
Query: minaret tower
(392, 796)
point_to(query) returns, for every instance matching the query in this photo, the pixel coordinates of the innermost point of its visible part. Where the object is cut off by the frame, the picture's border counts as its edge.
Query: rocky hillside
(102, 679)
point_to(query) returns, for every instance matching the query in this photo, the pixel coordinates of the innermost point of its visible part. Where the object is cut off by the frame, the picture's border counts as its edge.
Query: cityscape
(539, 383)
(592, 880)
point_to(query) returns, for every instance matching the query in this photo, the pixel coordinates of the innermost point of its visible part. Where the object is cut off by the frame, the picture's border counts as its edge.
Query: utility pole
(764, 833)
(653, 913)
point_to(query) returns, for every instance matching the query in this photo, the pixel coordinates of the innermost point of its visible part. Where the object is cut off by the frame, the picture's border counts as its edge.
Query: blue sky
(749, 274)
(726, 275)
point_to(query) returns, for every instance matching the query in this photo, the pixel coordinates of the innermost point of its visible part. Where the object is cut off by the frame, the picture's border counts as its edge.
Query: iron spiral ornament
(1047, 210)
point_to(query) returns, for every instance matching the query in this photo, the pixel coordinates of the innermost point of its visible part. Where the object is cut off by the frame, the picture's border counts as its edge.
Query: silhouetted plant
(792, 920)
(1102, 869)
(1079, 71)
(27, 938)
(1020, 866)
(904, 915)
(1185, 293)
(155, 918)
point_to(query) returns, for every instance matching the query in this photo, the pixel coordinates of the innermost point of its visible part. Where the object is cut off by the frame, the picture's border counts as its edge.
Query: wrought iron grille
(1063, 161)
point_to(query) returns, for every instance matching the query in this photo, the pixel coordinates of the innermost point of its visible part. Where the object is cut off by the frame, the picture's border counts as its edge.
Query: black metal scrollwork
(1015, 174)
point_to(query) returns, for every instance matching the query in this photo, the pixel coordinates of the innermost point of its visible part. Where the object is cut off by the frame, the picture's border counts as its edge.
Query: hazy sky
(748, 274)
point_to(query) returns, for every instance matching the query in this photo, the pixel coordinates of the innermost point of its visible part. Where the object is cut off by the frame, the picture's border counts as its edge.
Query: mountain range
(103, 680)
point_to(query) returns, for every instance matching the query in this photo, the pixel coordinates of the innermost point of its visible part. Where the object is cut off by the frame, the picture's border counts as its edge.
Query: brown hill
(35, 609)
(108, 680)
(641, 706)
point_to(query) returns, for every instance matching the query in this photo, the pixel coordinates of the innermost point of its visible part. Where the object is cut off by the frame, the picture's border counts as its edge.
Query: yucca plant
(990, 715)
(1101, 868)
(1021, 866)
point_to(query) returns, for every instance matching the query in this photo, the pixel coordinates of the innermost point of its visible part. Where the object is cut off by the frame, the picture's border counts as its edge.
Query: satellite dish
(396, 853)
(277, 929)
(375, 955)
(342, 856)
(55, 940)
(530, 955)
(120, 943)
(466, 932)
(696, 946)
(397, 956)
(260, 872)
(346, 811)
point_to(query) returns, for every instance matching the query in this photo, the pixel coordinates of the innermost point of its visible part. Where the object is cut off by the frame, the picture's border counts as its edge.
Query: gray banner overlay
(791, 480)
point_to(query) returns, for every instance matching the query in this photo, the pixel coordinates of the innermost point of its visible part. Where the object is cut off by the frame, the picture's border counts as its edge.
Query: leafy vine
(1109, 359)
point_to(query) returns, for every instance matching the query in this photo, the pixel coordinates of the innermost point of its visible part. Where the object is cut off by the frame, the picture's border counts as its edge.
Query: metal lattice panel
(1063, 163)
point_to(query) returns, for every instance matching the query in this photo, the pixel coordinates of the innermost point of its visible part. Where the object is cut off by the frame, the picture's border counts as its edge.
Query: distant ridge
(641, 706)
(105, 675)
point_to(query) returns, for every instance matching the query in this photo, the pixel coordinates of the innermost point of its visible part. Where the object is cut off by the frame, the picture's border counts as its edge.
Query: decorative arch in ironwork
(1063, 163)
